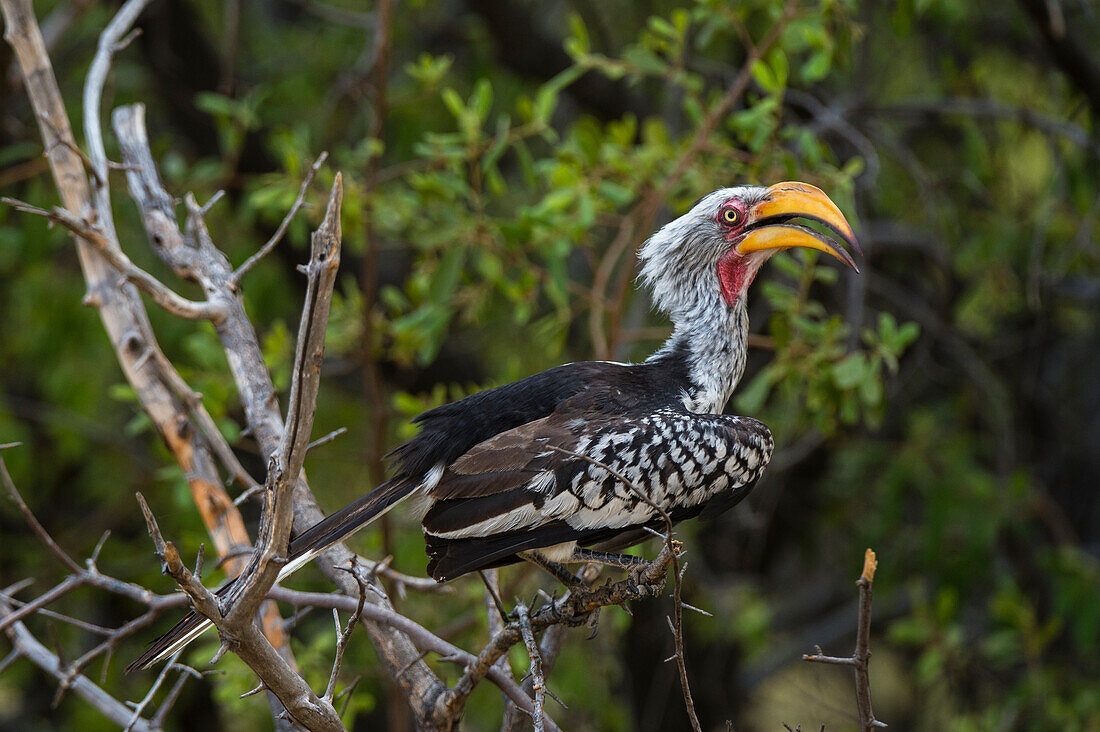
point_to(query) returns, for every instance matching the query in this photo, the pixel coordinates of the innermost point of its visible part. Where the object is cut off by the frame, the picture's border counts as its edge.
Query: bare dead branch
(120, 307)
(860, 660)
(401, 582)
(68, 675)
(275, 524)
(170, 699)
(160, 293)
(421, 636)
(573, 609)
(549, 648)
(538, 681)
(66, 586)
(203, 600)
(75, 622)
(496, 618)
(240, 634)
(331, 436)
(278, 235)
(26, 646)
(108, 46)
(236, 623)
(258, 397)
(105, 649)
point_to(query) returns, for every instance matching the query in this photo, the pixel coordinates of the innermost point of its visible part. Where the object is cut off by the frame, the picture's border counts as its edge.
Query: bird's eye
(730, 216)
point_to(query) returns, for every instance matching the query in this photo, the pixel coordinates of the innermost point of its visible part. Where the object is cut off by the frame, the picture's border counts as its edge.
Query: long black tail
(303, 549)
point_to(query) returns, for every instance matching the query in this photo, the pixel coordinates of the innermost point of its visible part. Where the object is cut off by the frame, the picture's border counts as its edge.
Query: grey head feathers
(678, 262)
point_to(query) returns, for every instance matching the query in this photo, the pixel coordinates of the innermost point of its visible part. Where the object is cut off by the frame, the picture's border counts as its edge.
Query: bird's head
(716, 248)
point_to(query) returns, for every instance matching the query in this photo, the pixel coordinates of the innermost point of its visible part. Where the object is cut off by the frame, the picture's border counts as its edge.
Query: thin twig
(278, 235)
(170, 699)
(26, 646)
(342, 638)
(29, 517)
(140, 706)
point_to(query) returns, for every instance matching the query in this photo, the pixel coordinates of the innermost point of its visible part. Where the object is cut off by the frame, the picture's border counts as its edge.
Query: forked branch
(861, 658)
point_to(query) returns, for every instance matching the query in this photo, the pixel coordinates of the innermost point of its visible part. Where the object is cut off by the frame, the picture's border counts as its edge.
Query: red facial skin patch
(734, 276)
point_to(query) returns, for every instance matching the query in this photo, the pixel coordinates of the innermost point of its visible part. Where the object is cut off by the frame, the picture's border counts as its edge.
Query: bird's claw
(593, 622)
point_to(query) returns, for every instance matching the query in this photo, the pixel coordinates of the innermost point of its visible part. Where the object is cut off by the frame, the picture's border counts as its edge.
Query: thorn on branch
(253, 692)
(126, 41)
(161, 294)
(9, 659)
(90, 562)
(218, 195)
(17, 587)
(491, 591)
(248, 493)
(326, 439)
(347, 692)
(219, 654)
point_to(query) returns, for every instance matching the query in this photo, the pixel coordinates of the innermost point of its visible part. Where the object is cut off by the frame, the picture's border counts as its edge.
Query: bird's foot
(636, 575)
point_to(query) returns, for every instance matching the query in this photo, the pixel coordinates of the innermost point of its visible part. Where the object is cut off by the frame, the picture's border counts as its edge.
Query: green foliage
(911, 407)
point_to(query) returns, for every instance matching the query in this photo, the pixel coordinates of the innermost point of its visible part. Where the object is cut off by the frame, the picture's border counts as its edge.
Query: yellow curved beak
(790, 200)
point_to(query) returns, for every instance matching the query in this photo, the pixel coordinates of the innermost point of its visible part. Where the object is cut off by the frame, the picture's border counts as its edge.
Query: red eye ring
(730, 216)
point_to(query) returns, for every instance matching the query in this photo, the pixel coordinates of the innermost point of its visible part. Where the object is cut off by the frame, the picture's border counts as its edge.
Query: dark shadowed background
(942, 408)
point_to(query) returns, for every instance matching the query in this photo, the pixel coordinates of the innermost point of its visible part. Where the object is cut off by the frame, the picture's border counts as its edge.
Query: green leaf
(546, 99)
(662, 27)
(481, 101)
(500, 143)
(764, 76)
(850, 371)
(777, 61)
(454, 103)
(817, 67)
(579, 43)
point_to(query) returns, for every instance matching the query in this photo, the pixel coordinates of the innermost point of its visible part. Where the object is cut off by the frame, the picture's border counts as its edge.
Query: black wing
(448, 431)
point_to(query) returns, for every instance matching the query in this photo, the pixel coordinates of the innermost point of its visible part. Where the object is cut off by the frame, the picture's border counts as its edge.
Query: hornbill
(519, 471)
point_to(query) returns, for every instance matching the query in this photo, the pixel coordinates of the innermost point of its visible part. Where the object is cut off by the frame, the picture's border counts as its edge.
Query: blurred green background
(942, 408)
